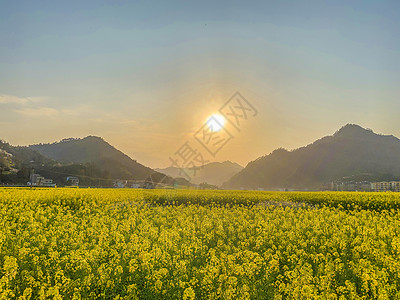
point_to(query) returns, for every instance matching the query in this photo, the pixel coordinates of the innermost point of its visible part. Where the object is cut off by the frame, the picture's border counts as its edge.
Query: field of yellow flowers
(187, 244)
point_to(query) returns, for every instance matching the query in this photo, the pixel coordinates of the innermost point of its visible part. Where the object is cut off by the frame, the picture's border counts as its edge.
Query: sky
(146, 75)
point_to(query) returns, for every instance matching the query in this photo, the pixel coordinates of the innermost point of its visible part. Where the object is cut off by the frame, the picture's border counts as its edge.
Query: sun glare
(215, 122)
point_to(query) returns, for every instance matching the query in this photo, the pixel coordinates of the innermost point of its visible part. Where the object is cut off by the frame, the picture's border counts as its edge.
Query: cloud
(9, 99)
(38, 112)
(28, 106)
(6, 99)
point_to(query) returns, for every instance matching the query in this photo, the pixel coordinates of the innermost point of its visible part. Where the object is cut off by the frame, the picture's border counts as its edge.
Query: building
(120, 183)
(350, 186)
(72, 181)
(47, 182)
(149, 185)
(385, 186)
(363, 186)
(37, 180)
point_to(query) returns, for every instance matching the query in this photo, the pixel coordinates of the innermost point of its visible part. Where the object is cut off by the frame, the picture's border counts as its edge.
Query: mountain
(350, 152)
(16, 162)
(100, 154)
(214, 173)
(13, 157)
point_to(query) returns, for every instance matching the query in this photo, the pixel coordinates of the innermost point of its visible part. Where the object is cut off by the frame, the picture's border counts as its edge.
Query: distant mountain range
(96, 163)
(350, 153)
(97, 151)
(94, 160)
(15, 163)
(215, 173)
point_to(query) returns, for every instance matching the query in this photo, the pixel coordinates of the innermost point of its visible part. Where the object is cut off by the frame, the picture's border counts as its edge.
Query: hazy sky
(146, 75)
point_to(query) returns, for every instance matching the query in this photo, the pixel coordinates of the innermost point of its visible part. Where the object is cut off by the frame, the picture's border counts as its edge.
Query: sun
(215, 122)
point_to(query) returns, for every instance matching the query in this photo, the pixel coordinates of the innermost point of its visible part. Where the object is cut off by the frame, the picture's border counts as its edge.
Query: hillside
(16, 162)
(99, 153)
(16, 156)
(351, 151)
(215, 173)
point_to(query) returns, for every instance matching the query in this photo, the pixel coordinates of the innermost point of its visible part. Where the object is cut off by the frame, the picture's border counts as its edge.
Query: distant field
(188, 244)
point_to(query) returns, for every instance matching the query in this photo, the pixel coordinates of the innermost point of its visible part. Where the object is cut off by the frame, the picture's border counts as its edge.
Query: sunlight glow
(215, 122)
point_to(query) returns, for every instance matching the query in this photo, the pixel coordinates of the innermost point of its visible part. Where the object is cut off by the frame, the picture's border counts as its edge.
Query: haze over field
(145, 76)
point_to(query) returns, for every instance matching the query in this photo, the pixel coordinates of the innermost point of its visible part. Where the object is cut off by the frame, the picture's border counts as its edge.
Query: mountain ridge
(351, 150)
(94, 149)
(215, 173)
(91, 158)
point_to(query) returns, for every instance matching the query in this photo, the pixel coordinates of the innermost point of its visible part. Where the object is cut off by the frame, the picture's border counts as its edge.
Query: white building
(37, 180)
(384, 186)
(73, 181)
